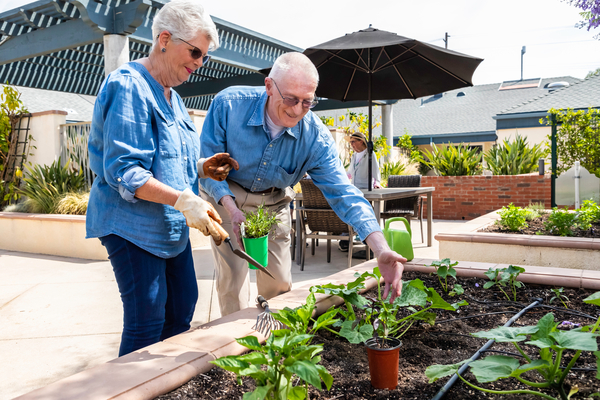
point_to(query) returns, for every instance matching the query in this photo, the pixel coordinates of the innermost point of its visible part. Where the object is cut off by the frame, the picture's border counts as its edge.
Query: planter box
(164, 366)
(517, 249)
(58, 235)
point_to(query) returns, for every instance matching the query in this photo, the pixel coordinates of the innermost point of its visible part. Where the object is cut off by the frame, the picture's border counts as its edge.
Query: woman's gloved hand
(198, 214)
(218, 166)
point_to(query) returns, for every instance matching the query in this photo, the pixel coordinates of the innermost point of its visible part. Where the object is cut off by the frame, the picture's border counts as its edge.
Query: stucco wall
(468, 197)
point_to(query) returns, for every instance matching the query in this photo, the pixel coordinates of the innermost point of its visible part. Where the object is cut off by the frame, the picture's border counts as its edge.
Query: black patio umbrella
(377, 65)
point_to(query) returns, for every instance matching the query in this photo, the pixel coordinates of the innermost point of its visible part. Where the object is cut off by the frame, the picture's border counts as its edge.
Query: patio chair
(320, 218)
(409, 208)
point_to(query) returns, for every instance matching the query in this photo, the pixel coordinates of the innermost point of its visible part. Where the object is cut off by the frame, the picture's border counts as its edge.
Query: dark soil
(537, 226)
(447, 342)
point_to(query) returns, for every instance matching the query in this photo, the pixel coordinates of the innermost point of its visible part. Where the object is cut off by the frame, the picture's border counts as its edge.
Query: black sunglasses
(196, 52)
(292, 101)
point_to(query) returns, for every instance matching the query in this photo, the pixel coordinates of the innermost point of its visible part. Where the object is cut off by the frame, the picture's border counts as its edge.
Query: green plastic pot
(257, 248)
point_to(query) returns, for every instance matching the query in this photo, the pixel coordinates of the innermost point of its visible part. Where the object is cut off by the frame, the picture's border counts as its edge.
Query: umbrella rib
(349, 84)
(346, 61)
(401, 77)
(445, 70)
(360, 58)
(391, 61)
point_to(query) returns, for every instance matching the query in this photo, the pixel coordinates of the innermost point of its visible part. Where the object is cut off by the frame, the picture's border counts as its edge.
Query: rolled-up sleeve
(345, 199)
(213, 141)
(128, 138)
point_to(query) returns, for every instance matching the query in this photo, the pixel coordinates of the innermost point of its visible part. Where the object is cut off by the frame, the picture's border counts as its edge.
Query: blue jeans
(159, 295)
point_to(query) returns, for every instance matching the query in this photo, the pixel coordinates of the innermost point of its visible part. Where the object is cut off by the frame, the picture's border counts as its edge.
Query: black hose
(474, 316)
(475, 356)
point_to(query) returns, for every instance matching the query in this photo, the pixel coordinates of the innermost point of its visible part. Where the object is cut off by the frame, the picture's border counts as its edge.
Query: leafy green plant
(298, 319)
(558, 294)
(588, 214)
(391, 168)
(11, 111)
(381, 318)
(350, 293)
(405, 142)
(561, 222)
(505, 277)
(46, 186)
(513, 218)
(275, 366)
(551, 343)
(260, 222)
(514, 157)
(453, 160)
(73, 203)
(577, 139)
(444, 269)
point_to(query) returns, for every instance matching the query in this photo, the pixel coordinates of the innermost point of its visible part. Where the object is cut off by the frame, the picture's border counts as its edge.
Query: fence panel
(74, 146)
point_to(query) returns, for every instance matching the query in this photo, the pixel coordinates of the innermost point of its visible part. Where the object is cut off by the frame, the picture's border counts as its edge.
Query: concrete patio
(63, 315)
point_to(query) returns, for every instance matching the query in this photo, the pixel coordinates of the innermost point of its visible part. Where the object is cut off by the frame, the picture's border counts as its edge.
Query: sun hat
(356, 135)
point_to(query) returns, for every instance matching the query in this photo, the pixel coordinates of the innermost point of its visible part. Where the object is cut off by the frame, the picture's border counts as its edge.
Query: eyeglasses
(197, 53)
(292, 101)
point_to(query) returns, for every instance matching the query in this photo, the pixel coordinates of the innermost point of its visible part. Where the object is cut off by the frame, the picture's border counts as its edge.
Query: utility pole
(446, 39)
(522, 52)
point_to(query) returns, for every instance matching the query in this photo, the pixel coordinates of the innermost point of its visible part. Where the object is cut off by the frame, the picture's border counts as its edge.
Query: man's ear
(269, 86)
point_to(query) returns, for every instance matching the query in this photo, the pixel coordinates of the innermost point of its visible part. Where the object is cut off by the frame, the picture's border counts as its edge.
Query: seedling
(505, 277)
(443, 269)
(551, 343)
(561, 222)
(277, 364)
(558, 294)
(259, 222)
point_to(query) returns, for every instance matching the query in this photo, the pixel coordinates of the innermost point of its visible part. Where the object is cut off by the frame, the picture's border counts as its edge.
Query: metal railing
(74, 147)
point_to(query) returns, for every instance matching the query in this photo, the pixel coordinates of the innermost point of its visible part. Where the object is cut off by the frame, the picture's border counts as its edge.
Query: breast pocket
(193, 139)
(282, 178)
(169, 141)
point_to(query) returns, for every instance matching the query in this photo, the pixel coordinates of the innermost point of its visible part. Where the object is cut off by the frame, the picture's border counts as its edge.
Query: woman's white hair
(184, 19)
(294, 61)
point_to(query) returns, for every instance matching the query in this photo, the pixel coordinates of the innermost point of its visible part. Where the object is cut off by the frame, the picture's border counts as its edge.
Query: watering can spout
(399, 240)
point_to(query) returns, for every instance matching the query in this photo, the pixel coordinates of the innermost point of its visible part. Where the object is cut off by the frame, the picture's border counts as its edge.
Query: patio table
(377, 197)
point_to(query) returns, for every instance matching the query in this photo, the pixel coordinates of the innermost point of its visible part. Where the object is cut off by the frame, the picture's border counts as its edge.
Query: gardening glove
(217, 167)
(198, 214)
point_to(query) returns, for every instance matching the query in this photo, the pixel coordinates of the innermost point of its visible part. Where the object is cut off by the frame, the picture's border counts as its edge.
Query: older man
(276, 141)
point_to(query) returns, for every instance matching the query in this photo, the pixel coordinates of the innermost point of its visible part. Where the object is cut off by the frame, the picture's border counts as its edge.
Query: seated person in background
(358, 170)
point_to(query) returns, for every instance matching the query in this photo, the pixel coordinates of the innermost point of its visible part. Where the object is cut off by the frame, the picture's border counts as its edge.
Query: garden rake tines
(265, 322)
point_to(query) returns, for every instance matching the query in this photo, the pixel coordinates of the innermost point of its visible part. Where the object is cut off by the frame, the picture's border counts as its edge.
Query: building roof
(78, 106)
(578, 95)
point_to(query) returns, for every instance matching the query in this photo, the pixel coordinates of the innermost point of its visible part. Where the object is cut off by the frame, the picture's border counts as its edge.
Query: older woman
(143, 148)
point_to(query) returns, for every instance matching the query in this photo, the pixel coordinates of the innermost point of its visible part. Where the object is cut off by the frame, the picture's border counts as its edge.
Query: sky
(493, 30)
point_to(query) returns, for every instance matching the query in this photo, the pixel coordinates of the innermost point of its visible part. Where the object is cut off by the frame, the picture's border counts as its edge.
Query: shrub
(454, 160)
(514, 157)
(73, 203)
(513, 218)
(45, 186)
(577, 139)
(391, 168)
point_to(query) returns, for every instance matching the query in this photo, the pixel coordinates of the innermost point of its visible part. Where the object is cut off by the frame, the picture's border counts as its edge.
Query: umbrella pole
(370, 144)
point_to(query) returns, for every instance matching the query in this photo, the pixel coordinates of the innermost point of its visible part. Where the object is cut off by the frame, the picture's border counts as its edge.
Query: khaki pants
(232, 282)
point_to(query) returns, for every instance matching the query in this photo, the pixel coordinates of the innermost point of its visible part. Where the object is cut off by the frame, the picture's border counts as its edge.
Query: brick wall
(468, 197)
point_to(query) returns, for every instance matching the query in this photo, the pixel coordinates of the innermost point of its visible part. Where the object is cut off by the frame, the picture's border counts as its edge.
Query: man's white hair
(185, 19)
(288, 62)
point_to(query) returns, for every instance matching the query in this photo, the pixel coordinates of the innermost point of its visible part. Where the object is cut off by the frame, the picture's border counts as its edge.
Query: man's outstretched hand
(218, 166)
(391, 267)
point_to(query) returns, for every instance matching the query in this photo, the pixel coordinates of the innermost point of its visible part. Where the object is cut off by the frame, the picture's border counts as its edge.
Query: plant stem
(556, 365)
(331, 330)
(568, 368)
(506, 391)
(533, 384)
(522, 352)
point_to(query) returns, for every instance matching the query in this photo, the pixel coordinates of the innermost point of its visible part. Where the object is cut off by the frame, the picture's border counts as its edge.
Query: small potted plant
(255, 233)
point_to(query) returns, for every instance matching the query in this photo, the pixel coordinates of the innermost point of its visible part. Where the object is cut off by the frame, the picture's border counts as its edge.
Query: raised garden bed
(448, 341)
(473, 244)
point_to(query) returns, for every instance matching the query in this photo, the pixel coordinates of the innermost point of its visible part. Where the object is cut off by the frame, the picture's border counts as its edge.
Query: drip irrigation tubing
(484, 348)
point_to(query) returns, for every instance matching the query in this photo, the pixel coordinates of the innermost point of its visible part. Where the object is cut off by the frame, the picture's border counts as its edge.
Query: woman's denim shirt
(136, 135)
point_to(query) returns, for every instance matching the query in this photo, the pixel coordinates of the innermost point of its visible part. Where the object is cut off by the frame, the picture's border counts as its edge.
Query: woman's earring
(164, 50)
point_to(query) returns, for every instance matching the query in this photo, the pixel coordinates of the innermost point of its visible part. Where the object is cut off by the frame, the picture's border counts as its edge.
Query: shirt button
(270, 145)
(259, 179)
(184, 158)
(118, 179)
(184, 143)
(264, 163)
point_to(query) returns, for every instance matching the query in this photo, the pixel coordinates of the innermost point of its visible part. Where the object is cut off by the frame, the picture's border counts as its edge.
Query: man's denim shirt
(136, 135)
(235, 124)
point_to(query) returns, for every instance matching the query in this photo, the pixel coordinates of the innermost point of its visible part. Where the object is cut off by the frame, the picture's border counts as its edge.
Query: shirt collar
(257, 118)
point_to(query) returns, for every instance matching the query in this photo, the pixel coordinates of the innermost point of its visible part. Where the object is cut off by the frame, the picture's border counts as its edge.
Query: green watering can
(399, 240)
